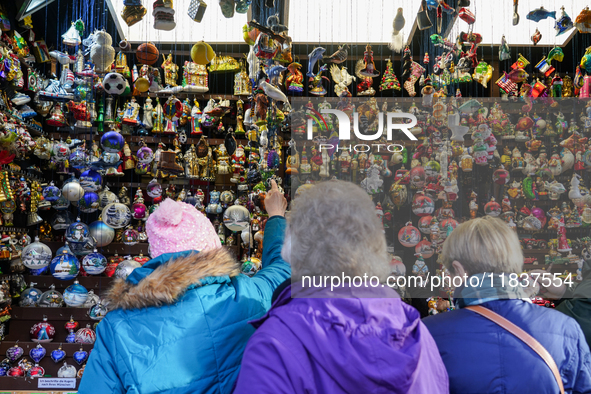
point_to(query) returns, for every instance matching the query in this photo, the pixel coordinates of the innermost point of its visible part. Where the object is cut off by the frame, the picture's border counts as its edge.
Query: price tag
(56, 383)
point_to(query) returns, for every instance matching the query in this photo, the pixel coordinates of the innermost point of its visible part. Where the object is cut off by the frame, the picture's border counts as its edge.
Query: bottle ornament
(42, 332)
(75, 295)
(409, 236)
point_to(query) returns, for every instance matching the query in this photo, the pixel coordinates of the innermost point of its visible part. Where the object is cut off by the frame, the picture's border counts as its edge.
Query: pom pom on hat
(177, 227)
(169, 213)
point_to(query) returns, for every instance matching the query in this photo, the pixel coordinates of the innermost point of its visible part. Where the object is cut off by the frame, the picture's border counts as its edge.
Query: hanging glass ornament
(422, 205)
(37, 353)
(64, 266)
(31, 296)
(236, 218)
(36, 372)
(15, 352)
(85, 335)
(154, 189)
(425, 248)
(71, 337)
(61, 152)
(36, 255)
(51, 193)
(58, 354)
(116, 215)
(66, 371)
(102, 234)
(62, 203)
(139, 209)
(492, 208)
(89, 203)
(95, 263)
(92, 299)
(126, 267)
(131, 236)
(97, 312)
(112, 142)
(51, 298)
(42, 332)
(424, 224)
(71, 324)
(75, 295)
(78, 159)
(91, 181)
(80, 356)
(72, 190)
(77, 232)
(107, 197)
(409, 236)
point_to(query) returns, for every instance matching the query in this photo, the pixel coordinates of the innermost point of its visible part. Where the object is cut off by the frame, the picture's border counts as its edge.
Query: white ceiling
(494, 20)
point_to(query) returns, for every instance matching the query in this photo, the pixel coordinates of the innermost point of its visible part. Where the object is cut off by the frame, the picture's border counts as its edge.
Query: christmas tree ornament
(36, 256)
(133, 12)
(51, 298)
(147, 53)
(64, 266)
(42, 332)
(14, 353)
(31, 296)
(71, 324)
(58, 354)
(77, 232)
(422, 205)
(389, 80)
(36, 372)
(66, 371)
(17, 371)
(102, 52)
(112, 142)
(37, 353)
(197, 10)
(114, 84)
(425, 249)
(420, 269)
(126, 267)
(396, 43)
(75, 295)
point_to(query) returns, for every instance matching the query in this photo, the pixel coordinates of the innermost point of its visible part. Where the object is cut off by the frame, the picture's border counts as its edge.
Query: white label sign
(56, 383)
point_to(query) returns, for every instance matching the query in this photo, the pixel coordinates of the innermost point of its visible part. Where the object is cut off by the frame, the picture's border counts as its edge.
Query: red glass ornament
(409, 235)
(42, 332)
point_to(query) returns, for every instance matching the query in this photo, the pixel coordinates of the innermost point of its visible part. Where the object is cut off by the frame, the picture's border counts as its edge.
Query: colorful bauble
(62, 203)
(85, 335)
(446, 226)
(112, 142)
(131, 236)
(95, 263)
(77, 232)
(75, 295)
(540, 214)
(97, 312)
(51, 298)
(36, 372)
(80, 356)
(107, 197)
(78, 159)
(89, 202)
(422, 205)
(91, 181)
(15, 352)
(66, 371)
(424, 224)
(37, 255)
(202, 53)
(417, 177)
(154, 189)
(102, 233)
(17, 372)
(51, 193)
(37, 353)
(409, 236)
(116, 215)
(114, 83)
(42, 332)
(125, 268)
(72, 190)
(147, 53)
(492, 208)
(30, 297)
(65, 266)
(58, 355)
(501, 176)
(425, 248)
(61, 152)
(236, 218)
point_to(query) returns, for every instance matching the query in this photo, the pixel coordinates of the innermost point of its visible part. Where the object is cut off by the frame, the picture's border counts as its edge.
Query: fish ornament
(517, 75)
(540, 14)
(583, 21)
(339, 56)
(556, 53)
(314, 56)
(536, 37)
(564, 23)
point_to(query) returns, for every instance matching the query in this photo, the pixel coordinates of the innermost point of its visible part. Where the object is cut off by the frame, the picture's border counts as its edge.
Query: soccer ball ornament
(65, 266)
(114, 83)
(42, 332)
(72, 190)
(236, 218)
(75, 295)
(409, 235)
(102, 233)
(112, 142)
(126, 267)
(77, 232)
(36, 255)
(116, 215)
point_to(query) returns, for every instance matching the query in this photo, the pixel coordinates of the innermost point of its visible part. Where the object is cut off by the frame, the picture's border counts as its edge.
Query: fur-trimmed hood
(170, 279)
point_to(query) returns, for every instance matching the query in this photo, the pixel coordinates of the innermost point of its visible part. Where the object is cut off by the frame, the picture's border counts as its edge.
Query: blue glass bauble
(112, 142)
(91, 181)
(95, 263)
(80, 356)
(58, 355)
(102, 233)
(71, 338)
(30, 297)
(75, 295)
(51, 193)
(78, 159)
(77, 232)
(64, 266)
(37, 353)
(89, 202)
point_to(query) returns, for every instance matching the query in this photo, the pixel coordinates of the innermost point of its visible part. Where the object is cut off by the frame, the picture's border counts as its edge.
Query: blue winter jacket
(482, 357)
(179, 324)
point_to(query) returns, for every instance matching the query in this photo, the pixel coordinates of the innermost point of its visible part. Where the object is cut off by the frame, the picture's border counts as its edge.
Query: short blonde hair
(334, 230)
(483, 245)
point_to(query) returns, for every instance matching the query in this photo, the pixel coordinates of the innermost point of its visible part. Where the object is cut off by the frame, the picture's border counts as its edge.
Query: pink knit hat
(177, 226)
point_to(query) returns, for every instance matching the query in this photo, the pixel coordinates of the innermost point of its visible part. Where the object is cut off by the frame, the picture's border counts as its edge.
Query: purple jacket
(341, 345)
